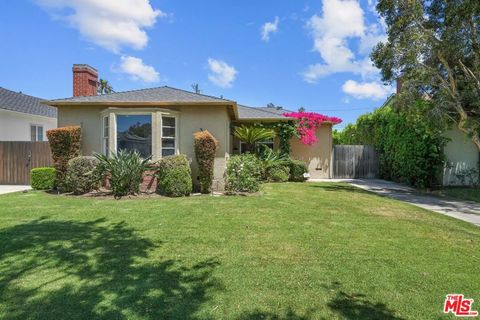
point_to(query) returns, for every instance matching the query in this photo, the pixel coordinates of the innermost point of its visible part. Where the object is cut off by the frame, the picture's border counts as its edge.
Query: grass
(299, 251)
(470, 194)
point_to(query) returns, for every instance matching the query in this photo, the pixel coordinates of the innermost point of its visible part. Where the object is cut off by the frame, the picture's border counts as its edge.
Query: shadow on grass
(358, 306)
(90, 270)
(339, 187)
(260, 315)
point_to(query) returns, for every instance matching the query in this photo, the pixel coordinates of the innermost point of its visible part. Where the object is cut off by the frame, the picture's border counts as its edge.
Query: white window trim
(36, 125)
(156, 114)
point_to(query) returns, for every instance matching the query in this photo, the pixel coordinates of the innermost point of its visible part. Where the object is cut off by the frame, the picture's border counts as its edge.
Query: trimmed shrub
(124, 171)
(297, 170)
(278, 174)
(64, 145)
(205, 148)
(43, 178)
(243, 173)
(81, 176)
(174, 176)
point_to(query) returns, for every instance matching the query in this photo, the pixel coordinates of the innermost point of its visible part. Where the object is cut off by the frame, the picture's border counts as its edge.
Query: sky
(311, 54)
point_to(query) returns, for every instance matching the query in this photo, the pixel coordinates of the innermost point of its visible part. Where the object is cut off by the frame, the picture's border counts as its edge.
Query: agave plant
(271, 159)
(124, 170)
(251, 135)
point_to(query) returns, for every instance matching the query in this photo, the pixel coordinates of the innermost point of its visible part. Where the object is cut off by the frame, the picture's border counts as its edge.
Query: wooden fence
(355, 161)
(17, 158)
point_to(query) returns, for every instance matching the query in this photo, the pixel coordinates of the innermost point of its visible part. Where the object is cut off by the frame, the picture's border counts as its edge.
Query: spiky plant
(251, 135)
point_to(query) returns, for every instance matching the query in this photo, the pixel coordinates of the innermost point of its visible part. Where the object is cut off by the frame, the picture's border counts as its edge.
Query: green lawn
(299, 251)
(469, 194)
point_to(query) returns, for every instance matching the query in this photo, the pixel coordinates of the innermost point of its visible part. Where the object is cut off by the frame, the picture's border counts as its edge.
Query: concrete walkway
(12, 188)
(468, 211)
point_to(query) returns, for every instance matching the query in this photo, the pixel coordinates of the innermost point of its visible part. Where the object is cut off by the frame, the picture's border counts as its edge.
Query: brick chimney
(85, 80)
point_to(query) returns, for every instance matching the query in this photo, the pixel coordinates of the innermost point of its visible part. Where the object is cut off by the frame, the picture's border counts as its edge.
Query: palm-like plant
(104, 87)
(124, 170)
(271, 159)
(251, 135)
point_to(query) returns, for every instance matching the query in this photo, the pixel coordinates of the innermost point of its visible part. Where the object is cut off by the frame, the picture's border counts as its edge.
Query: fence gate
(17, 158)
(354, 161)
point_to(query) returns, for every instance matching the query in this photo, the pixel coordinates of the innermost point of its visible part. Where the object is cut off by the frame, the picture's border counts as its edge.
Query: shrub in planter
(64, 145)
(278, 174)
(174, 176)
(205, 148)
(124, 171)
(81, 176)
(297, 170)
(43, 178)
(243, 173)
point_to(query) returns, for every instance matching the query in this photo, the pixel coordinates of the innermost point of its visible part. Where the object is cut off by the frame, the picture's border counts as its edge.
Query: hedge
(81, 176)
(205, 148)
(174, 176)
(43, 178)
(298, 169)
(64, 145)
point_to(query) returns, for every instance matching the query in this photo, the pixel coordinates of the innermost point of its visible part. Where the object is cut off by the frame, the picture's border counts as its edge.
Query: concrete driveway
(468, 211)
(12, 188)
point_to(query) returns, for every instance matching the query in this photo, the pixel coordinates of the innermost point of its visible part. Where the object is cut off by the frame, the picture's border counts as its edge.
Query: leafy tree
(104, 87)
(251, 135)
(434, 48)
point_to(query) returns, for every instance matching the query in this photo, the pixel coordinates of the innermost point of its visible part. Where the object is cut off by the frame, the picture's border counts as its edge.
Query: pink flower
(308, 122)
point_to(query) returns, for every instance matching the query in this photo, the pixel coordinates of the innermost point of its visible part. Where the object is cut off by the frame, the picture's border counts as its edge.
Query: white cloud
(110, 24)
(342, 20)
(268, 28)
(137, 70)
(367, 90)
(221, 74)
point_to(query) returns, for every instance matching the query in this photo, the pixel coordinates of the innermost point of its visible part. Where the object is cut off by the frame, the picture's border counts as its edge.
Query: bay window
(151, 132)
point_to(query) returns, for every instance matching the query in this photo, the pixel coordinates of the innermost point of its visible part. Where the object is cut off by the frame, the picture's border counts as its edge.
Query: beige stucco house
(24, 118)
(161, 122)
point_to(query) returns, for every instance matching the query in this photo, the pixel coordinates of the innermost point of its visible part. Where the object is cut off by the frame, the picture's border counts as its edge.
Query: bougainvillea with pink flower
(308, 122)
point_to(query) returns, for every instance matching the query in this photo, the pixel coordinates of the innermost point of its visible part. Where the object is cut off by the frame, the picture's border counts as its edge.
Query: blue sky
(291, 53)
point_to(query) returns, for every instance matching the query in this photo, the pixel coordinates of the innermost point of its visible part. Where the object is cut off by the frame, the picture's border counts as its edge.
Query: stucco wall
(15, 126)
(461, 154)
(190, 119)
(317, 156)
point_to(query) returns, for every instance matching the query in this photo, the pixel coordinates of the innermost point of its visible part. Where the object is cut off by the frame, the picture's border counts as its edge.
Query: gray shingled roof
(245, 113)
(19, 102)
(159, 94)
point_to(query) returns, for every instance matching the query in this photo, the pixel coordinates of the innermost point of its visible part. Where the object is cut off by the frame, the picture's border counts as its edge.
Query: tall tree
(104, 87)
(434, 48)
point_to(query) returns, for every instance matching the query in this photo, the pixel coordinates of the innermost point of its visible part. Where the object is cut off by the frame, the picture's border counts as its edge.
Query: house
(24, 118)
(461, 155)
(161, 121)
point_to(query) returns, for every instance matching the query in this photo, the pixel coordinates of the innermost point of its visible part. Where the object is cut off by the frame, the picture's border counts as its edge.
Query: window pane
(168, 143)
(39, 133)
(168, 152)
(168, 122)
(33, 133)
(168, 132)
(105, 127)
(134, 132)
(106, 146)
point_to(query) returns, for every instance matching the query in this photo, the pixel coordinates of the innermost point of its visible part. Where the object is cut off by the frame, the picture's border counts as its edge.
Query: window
(267, 143)
(168, 136)
(134, 132)
(36, 133)
(106, 133)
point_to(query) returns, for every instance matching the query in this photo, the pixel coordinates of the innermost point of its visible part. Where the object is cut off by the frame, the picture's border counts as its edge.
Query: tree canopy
(433, 46)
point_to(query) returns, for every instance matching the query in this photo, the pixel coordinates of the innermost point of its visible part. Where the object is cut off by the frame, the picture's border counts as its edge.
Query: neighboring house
(24, 118)
(161, 122)
(461, 155)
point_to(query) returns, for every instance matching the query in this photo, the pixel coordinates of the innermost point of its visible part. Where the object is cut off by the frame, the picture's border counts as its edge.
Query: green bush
(243, 173)
(65, 145)
(124, 171)
(174, 176)
(205, 146)
(278, 174)
(297, 170)
(43, 178)
(81, 175)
